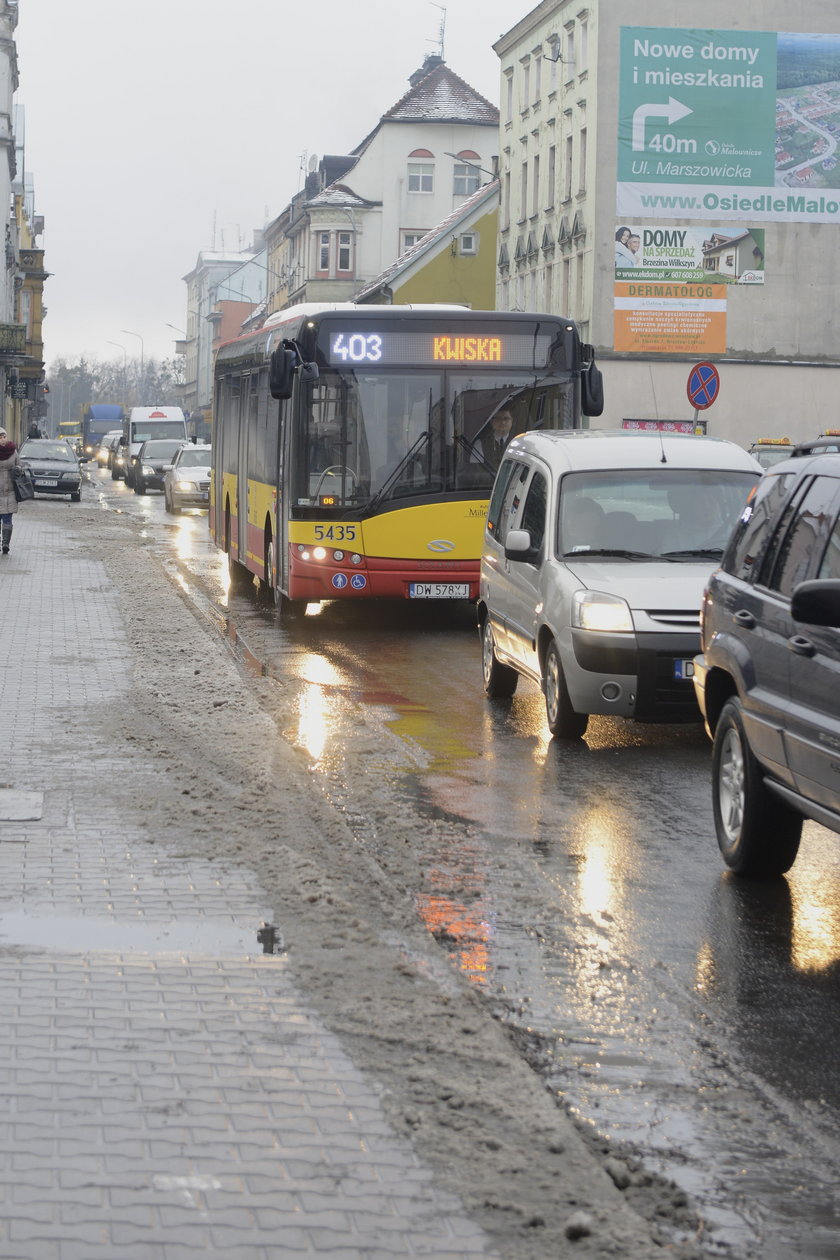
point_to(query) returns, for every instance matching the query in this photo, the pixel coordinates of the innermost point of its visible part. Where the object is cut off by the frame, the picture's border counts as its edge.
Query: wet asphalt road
(688, 1014)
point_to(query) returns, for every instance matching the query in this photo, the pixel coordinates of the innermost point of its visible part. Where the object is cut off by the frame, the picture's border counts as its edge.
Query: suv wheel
(563, 721)
(757, 832)
(499, 680)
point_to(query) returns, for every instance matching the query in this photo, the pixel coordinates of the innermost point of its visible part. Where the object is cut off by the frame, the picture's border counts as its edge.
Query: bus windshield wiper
(390, 482)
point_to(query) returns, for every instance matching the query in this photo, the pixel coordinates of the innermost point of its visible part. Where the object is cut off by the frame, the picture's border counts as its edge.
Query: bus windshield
(372, 436)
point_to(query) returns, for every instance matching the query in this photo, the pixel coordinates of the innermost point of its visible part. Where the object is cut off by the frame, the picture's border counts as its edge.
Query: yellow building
(454, 262)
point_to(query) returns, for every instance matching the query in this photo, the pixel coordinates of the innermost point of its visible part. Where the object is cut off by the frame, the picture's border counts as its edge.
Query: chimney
(431, 63)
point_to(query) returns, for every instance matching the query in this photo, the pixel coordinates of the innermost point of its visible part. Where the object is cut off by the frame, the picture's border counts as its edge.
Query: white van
(144, 423)
(597, 548)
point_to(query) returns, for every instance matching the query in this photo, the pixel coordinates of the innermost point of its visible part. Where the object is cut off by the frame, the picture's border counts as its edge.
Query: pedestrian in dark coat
(9, 459)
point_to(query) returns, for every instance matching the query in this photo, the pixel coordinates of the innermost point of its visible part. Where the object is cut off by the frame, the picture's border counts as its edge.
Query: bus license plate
(438, 590)
(683, 669)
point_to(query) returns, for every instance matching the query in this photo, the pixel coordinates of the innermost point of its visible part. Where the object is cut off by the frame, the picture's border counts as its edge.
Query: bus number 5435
(335, 533)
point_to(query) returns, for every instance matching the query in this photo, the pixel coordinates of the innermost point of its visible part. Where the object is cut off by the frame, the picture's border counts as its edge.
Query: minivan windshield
(673, 514)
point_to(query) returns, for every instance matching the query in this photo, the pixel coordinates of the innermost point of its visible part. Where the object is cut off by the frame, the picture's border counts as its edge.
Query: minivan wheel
(758, 833)
(563, 721)
(499, 680)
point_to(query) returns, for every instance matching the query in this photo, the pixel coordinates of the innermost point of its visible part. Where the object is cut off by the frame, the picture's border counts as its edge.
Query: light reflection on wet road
(687, 1013)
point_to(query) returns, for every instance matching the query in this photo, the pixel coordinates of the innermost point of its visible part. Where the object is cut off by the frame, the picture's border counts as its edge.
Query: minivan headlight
(595, 610)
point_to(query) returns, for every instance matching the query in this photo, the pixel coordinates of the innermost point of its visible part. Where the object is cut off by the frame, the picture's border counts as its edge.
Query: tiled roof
(441, 96)
(339, 195)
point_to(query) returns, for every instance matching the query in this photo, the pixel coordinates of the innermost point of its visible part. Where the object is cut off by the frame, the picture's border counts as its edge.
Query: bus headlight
(356, 558)
(319, 553)
(338, 556)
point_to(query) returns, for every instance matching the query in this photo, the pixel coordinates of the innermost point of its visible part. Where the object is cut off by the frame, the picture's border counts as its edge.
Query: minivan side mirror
(817, 603)
(518, 545)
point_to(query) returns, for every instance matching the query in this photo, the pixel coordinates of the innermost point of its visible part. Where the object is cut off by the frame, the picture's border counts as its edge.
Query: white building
(359, 212)
(216, 277)
(687, 130)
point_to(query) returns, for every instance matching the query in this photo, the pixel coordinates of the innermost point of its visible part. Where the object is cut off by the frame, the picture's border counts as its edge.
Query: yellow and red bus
(349, 446)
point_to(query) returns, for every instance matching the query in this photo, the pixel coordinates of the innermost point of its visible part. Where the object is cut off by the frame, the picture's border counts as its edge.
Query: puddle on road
(74, 934)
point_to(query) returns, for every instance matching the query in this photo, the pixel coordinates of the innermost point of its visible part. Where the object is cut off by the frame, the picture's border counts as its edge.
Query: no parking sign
(703, 385)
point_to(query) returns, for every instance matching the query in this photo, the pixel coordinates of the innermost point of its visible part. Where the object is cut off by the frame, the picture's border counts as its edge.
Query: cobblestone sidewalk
(164, 1090)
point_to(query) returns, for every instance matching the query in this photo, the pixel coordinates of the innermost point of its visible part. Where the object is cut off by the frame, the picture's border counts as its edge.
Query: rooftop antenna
(442, 31)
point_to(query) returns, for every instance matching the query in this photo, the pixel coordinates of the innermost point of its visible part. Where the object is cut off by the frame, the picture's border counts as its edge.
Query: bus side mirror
(591, 390)
(280, 372)
(309, 372)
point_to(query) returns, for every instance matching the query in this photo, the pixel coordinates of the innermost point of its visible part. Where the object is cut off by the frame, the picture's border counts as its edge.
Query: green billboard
(734, 123)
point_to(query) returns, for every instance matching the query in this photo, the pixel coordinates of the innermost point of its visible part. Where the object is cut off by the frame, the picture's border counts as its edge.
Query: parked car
(54, 466)
(187, 482)
(106, 448)
(767, 676)
(770, 451)
(596, 551)
(153, 458)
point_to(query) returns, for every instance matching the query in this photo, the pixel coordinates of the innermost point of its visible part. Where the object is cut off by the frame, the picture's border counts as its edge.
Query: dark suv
(768, 677)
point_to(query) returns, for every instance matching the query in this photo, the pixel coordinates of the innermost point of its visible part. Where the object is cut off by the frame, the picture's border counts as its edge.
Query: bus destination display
(348, 348)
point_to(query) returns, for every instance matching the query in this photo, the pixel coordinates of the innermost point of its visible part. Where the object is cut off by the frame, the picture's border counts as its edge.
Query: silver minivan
(597, 548)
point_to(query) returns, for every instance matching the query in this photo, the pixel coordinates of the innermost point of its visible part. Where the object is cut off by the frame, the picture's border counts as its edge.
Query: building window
(537, 79)
(526, 83)
(523, 193)
(552, 174)
(411, 238)
(469, 243)
(345, 251)
(535, 199)
(466, 180)
(582, 161)
(567, 169)
(421, 177)
(583, 47)
(323, 251)
(508, 96)
(570, 53)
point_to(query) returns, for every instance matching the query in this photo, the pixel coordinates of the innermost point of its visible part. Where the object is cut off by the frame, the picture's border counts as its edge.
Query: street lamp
(142, 348)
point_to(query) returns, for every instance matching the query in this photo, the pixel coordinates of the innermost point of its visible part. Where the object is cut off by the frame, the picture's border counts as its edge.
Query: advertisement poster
(727, 255)
(658, 317)
(728, 125)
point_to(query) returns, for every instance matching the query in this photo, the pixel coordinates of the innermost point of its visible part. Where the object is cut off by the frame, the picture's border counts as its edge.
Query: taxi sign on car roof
(772, 442)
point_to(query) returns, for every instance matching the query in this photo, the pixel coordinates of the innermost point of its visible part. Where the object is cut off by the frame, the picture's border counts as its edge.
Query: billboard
(732, 254)
(728, 125)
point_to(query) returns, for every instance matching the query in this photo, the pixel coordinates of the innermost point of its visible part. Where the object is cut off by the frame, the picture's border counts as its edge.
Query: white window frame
(469, 177)
(344, 249)
(411, 238)
(421, 174)
(468, 243)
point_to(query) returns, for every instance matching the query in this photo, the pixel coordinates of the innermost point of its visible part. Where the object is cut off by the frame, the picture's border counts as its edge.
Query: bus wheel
(267, 593)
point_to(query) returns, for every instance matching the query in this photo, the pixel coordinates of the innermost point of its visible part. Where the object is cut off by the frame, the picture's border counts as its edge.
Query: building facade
(711, 147)
(216, 280)
(455, 262)
(360, 211)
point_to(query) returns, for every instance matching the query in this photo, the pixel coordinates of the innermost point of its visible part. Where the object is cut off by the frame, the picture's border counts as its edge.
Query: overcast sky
(158, 128)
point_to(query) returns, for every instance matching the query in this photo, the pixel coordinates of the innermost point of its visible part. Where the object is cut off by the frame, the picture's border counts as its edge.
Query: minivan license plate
(438, 590)
(683, 669)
